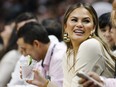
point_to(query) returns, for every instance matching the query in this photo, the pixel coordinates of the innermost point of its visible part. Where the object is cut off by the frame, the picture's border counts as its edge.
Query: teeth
(78, 31)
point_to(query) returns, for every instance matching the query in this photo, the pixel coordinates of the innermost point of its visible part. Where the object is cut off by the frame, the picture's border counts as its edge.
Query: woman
(85, 51)
(9, 55)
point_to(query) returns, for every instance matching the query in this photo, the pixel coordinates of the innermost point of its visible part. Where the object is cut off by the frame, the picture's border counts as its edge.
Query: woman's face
(79, 24)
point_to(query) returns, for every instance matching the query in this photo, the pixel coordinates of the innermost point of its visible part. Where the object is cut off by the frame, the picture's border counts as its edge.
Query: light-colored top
(54, 71)
(89, 58)
(16, 80)
(110, 82)
(52, 65)
(114, 52)
(7, 65)
(53, 38)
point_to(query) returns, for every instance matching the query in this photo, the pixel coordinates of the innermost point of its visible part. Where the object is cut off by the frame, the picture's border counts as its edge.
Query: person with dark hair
(53, 27)
(104, 30)
(20, 20)
(33, 38)
(9, 55)
(24, 18)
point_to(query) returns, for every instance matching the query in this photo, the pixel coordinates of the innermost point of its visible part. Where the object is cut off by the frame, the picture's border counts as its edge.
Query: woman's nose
(79, 24)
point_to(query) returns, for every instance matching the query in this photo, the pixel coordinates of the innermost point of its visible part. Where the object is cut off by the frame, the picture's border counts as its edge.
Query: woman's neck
(75, 47)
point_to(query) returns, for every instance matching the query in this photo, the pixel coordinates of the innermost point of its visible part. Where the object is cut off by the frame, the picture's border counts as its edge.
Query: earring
(91, 34)
(66, 37)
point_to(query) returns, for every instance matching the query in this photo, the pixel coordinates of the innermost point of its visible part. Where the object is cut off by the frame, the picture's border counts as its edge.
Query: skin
(88, 83)
(113, 30)
(114, 6)
(79, 26)
(113, 33)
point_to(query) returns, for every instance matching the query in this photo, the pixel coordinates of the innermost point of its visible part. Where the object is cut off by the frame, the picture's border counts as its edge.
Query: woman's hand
(89, 83)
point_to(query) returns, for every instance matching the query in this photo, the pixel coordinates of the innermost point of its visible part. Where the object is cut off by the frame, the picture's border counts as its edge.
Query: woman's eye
(86, 21)
(75, 20)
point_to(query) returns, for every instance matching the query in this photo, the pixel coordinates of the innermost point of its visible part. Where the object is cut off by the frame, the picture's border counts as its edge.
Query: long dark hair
(11, 44)
(95, 34)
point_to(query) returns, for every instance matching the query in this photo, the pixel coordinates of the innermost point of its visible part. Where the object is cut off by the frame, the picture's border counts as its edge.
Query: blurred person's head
(9, 38)
(25, 18)
(33, 39)
(53, 27)
(104, 30)
(6, 32)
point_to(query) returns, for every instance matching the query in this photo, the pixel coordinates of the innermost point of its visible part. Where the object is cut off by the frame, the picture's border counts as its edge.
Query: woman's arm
(88, 59)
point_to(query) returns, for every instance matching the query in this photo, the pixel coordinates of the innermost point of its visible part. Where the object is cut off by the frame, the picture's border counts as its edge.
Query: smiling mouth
(79, 32)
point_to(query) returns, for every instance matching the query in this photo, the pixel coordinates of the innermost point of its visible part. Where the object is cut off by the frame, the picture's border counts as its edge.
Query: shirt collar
(48, 56)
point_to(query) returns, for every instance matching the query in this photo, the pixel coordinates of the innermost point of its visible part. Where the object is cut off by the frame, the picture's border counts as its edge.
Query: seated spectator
(19, 22)
(104, 30)
(34, 36)
(9, 55)
(53, 27)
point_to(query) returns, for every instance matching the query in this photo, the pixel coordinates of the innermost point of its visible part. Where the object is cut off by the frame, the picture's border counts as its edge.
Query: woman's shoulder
(91, 41)
(90, 48)
(11, 55)
(91, 44)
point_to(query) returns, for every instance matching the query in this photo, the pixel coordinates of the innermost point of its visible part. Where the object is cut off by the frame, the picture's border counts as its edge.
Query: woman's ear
(93, 30)
(94, 27)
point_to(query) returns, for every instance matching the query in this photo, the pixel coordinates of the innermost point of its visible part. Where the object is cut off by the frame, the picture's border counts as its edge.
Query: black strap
(47, 74)
(50, 55)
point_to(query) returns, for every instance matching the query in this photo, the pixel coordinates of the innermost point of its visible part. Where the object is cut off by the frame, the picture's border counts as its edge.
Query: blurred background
(9, 9)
